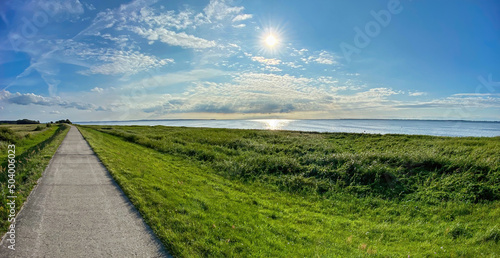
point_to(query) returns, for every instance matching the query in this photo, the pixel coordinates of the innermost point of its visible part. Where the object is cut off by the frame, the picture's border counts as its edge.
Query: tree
(62, 121)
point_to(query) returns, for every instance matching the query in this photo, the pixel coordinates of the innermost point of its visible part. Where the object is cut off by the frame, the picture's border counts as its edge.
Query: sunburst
(271, 40)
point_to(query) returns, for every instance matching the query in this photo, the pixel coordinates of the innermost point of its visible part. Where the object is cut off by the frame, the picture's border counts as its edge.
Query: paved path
(77, 210)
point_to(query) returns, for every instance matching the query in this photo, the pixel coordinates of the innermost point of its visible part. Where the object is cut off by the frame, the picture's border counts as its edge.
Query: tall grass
(403, 167)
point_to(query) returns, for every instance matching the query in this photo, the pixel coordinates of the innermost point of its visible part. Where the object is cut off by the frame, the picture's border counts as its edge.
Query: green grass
(405, 167)
(34, 149)
(221, 192)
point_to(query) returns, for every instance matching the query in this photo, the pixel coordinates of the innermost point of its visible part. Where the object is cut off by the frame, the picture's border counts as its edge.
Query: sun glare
(271, 40)
(274, 124)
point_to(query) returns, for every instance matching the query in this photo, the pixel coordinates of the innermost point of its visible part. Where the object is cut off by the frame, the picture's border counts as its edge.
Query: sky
(91, 60)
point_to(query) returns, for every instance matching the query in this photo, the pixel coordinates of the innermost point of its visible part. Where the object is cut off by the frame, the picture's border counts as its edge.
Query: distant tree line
(27, 121)
(20, 122)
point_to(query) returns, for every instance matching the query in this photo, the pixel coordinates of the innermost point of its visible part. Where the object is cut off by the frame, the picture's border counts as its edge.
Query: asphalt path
(78, 210)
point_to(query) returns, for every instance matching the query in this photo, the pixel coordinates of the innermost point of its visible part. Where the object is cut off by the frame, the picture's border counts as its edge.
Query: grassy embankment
(220, 192)
(35, 146)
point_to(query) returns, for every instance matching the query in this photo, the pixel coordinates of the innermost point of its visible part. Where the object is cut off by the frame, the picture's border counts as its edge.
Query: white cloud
(248, 93)
(476, 95)
(297, 52)
(240, 26)
(97, 89)
(324, 58)
(173, 38)
(234, 46)
(242, 17)
(327, 80)
(218, 9)
(267, 61)
(320, 57)
(416, 93)
(109, 18)
(292, 65)
(179, 21)
(262, 93)
(272, 68)
(90, 7)
(378, 92)
(120, 39)
(121, 62)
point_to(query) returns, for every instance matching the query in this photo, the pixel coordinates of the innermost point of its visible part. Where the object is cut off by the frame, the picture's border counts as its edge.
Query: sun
(271, 40)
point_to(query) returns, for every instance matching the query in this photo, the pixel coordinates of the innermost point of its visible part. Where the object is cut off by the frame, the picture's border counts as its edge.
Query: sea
(455, 128)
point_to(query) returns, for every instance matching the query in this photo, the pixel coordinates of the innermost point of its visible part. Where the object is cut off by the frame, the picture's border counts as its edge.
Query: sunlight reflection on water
(418, 127)
(274, 124)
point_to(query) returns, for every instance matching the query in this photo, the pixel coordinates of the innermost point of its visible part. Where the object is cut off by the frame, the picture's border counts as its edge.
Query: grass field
(221, 192)
(35, 146)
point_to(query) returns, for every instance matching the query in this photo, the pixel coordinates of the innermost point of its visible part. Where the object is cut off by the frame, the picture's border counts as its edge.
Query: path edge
(35, 187)
(147, 227)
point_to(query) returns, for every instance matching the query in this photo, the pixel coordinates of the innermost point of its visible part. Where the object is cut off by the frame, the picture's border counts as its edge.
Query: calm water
(422, 127)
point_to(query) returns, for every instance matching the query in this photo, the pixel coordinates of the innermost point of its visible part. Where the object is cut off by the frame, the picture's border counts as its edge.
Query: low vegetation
(428, 168)
(222, 192)
(35, 146)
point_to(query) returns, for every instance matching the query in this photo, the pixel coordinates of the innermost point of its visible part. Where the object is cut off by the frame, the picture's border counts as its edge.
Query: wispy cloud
(173, 38)
(416, 93)
(323, 57)
(242, 17)
(267, 61)
(465, 101)
(122, 62)
(240, 25)
(219, 10)
(476, 95)
(169, 19)
(110, 17)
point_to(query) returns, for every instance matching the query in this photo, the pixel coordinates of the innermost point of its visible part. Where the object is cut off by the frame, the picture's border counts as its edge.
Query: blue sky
(122, 60)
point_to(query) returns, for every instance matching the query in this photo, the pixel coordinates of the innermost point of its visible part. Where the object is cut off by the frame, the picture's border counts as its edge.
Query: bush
(7, 135)
(39, 128)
